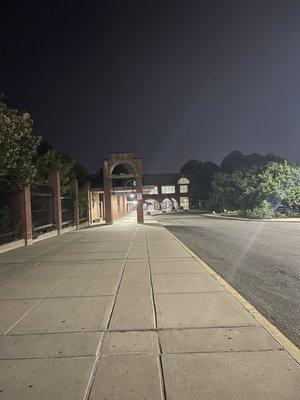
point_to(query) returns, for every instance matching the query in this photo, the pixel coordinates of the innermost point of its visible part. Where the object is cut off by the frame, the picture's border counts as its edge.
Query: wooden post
(107, 193)
(54, 182)
(74, 188)
(26, 215)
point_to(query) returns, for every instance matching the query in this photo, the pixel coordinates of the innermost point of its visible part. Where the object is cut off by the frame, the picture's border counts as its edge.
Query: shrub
(265, 210)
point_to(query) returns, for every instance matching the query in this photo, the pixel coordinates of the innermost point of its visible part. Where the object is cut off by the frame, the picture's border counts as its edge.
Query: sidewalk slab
(47, 379)
(184, 283)
(116, 255)
(130, 342)
(69, 257)
(20, 288)
(162, 252)
(250, 338)
(12, 310)
(9, 271)
(98, 269)
(73, 344)
(120, 245)
(87, 286)
(176, 266)
(186, 310)
(49, 270)
(138, 250)
(266, 375)
(73, 314)
(136, 266)
(127, 377)
(134, 308)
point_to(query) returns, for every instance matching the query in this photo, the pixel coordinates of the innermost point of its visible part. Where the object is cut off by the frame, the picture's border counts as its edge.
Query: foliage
(279, 182)
(293, 194)
(49, 159)
(17, 147)
(258, 190)
(82, 203)
(265, 210)
(233, 191)
(81, 173)
(96, 179)
(236, 161)
(200, 175)
(53, 161)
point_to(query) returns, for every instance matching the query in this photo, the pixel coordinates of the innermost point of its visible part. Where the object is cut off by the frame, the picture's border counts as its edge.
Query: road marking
(292, 349)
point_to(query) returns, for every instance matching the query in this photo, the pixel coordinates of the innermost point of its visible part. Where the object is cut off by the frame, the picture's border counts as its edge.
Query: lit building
(123, 188)
(165, 192)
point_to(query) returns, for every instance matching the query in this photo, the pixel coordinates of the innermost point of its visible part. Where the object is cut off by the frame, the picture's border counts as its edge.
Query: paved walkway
(124, 312)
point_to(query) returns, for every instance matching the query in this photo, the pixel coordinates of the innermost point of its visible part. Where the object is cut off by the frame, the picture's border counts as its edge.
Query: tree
(18, 147)
(235, 191)
(200, 175)
(81, 173)
(236, 160)
(257, 188)
(276, 180)
(96, 179)
(54, 161)
(49, 160)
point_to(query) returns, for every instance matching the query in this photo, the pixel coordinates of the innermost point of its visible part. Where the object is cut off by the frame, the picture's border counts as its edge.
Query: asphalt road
(261, 260)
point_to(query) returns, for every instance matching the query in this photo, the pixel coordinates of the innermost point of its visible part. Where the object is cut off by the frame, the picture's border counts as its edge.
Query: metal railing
(10, 217)
(67, 210)
(42, 209)
(83, 206)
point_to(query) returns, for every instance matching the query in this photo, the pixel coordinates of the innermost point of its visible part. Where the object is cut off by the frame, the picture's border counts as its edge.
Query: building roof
(160, 179)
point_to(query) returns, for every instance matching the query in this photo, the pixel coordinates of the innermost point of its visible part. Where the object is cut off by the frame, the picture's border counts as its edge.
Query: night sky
(168, 80)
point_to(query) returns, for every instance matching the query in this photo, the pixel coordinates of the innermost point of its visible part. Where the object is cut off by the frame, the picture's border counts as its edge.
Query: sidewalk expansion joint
(98, 350)
(160, 364)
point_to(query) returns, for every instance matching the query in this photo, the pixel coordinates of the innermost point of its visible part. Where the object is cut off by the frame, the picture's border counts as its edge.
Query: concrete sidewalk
(125, 312)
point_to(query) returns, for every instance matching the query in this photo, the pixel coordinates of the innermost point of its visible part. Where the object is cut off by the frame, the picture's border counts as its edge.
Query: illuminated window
(184, 188)
(167, 189)
(184, 203)
(183, 181)
(154, 190)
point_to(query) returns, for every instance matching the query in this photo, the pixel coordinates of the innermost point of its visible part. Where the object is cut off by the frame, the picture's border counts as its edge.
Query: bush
(293, 214)
(265, 210)
(235, 213)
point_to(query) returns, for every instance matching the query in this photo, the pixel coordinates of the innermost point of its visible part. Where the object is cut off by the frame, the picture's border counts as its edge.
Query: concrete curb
(292, 349)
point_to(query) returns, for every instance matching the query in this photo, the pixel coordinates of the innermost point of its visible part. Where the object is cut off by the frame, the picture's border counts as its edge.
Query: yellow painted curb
(292, 349)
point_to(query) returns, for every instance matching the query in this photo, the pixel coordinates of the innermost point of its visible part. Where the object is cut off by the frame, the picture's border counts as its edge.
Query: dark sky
(168, 80)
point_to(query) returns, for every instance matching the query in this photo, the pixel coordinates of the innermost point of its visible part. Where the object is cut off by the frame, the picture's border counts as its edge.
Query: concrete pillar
(26, 215)
(74, 189)
(54, 182)
(107, 193)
